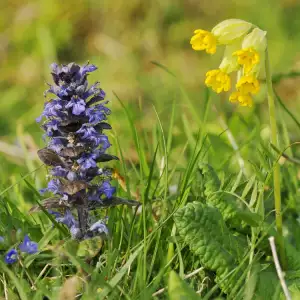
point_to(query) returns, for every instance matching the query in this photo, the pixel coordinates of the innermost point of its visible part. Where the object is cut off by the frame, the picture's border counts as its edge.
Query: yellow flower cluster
(244, 52)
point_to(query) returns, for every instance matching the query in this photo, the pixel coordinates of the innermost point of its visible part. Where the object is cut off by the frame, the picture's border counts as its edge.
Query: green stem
(276, 174)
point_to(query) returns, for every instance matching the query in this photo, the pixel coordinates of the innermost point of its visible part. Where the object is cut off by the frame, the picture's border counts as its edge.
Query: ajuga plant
(75, 124)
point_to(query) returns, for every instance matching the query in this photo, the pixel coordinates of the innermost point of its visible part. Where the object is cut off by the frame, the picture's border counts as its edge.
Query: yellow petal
(204, 40)
(218, 80)
(248, 85)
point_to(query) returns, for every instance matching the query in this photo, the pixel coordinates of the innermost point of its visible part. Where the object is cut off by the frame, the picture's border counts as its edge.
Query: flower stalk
(276, 173)
(74, 121)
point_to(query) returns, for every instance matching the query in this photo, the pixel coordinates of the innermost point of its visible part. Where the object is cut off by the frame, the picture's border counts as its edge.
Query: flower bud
(255, 39)
(229, 30)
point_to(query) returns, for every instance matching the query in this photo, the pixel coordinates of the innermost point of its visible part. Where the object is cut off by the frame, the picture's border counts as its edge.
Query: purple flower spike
(75, 123)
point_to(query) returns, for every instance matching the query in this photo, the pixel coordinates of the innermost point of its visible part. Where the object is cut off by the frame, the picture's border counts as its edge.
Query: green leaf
(225, 203)
(250, 218)
(267, 284)
(89, 248)
(179, 290)
(204, 230)
(20, 284)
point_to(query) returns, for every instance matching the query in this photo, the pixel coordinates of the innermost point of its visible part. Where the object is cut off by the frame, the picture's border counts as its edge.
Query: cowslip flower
(253, 47)
(218, 80)
(74, 123)
(248, 85)
(28, 246)
(242, 99)
(11, 256)
(224, 33)
(244, 54)
(250, 57)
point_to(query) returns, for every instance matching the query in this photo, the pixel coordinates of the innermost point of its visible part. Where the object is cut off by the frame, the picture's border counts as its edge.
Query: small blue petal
(99, 227)
(87, 68)
(28, 246)
(77, 105)
(75, 231)
(68, 219)
(11, 256)
(107, 189)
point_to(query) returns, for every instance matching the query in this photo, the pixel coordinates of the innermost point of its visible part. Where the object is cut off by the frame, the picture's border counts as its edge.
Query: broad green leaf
(89, 248)
(204, 230)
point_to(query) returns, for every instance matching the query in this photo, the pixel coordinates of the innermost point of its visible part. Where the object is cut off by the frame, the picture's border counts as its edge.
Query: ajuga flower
(11, 256)
(28, 246)
(74, 122)
(244, 53)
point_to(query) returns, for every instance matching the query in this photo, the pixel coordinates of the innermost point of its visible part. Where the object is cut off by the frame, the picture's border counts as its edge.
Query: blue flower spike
(74, 121)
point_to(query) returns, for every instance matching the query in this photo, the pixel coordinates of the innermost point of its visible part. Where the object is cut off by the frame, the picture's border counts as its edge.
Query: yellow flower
(253, 47)
(242, 99)
(248, 58)
(218, 80)
(229, 30)
(248, 85)
(224, 33)
(204, 40)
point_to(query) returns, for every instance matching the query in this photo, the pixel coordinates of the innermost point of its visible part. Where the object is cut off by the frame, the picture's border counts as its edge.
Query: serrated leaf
(204, 230)
(234, 212)
(225, 203)
(179, 290)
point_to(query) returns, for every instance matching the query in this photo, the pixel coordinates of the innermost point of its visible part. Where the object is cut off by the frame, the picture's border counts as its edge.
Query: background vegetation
(167, 119)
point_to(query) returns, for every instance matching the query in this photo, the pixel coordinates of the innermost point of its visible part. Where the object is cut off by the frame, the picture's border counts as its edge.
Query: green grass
(144, 245)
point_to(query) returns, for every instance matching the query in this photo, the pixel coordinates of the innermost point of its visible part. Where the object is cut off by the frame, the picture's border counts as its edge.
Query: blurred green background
(122, 38)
